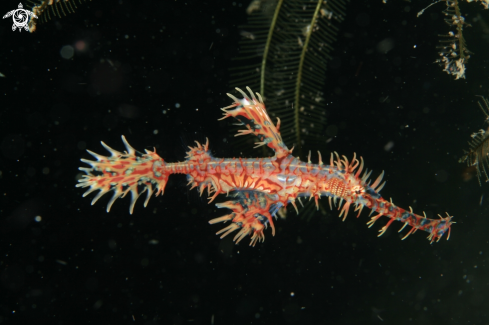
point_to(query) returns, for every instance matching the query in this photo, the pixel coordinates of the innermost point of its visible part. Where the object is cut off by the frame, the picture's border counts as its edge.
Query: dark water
(157, 72)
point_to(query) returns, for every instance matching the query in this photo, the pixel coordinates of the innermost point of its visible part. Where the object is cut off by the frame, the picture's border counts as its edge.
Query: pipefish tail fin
(478, 154)
(43, 9)
(284, 52)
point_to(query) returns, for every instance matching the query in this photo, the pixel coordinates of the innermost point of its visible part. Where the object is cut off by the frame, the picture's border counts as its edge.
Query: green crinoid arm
(284, 53)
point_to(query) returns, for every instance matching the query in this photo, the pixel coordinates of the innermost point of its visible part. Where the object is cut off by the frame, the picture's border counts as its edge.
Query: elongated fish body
(259, 187)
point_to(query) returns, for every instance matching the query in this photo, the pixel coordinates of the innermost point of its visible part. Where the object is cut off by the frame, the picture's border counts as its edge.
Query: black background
(163, 264)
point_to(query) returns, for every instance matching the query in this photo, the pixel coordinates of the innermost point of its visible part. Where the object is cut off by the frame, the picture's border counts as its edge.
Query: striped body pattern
(258, 187)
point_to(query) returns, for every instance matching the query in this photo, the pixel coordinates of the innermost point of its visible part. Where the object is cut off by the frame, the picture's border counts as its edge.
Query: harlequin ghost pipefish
(259, 187)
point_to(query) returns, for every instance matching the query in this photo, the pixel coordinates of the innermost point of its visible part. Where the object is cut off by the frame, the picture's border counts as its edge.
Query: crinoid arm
(478, 154)
(454, 53)
(284, 54)
(251, 112)
(453, 50)
(123, 173)
(43, 9)
(252, 212)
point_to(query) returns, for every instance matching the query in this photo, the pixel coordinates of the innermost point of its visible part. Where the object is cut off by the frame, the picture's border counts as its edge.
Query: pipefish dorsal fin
(43, 9)
(284, 52)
